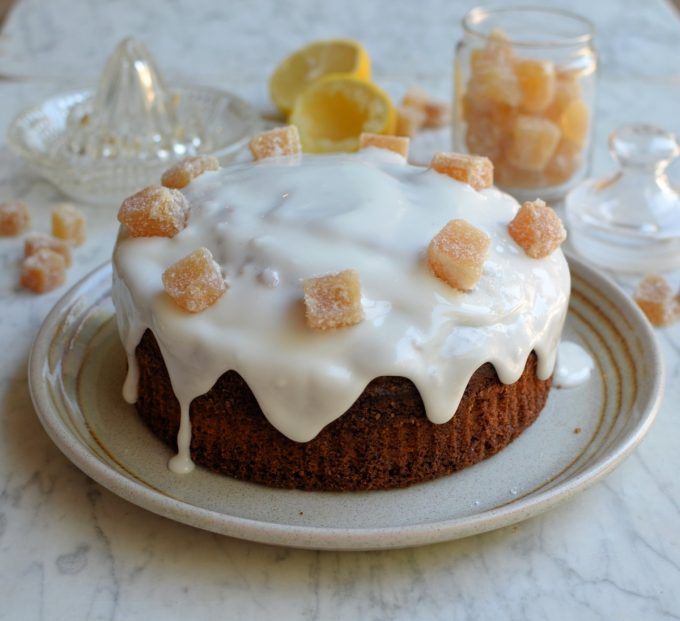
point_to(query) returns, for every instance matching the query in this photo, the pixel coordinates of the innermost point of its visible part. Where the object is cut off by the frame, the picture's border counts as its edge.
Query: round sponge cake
(428, 380)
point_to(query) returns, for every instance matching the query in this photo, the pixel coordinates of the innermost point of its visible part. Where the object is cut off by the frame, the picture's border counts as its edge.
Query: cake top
(278, 226)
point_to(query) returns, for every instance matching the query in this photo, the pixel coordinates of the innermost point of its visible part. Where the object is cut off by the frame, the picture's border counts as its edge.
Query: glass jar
(524, 94)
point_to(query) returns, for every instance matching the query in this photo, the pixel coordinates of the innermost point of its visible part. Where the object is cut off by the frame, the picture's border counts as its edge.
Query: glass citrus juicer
(100, 146)
(630, 222)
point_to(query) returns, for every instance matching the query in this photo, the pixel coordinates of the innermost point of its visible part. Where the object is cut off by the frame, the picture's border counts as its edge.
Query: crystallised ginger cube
(496, 84)
(154, 211)
(564, 162)
(333, 300)
(436, 113)
(43, 271)
(656, 300)
(456, 254)
(185, 171)
(397, 144)
(68, 223)
(534, 141)
(38, 241)
(194, 282)
(410, 120)
(15, 218)
(537, 229)
(482, 137)
(537, 83)
(574, 122)
(475, 170)
(276, 143)
(567, 89)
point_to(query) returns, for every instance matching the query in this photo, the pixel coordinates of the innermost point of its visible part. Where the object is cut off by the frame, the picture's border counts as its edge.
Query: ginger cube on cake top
(184, 172)
(276, 143)
(475, 170)
(537, 229)
(15, 218)
(43, 271)
(194, 282)
(457, 253)
(154, 211)
(397, 144)
(333, 300)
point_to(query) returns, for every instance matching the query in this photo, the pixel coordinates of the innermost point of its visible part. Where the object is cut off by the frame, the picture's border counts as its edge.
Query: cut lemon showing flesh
(315, 61)
(332, 113)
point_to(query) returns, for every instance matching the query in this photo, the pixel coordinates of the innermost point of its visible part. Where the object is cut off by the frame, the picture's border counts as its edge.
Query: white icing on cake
(275, 222)
(574, 365)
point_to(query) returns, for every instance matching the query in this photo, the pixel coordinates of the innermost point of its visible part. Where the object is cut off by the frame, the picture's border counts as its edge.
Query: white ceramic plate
(77, 368)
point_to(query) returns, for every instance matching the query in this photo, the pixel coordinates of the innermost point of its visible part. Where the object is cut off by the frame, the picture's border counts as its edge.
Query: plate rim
(365, 538)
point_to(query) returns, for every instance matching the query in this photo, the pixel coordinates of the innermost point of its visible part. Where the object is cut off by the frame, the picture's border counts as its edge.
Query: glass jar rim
(479, 14)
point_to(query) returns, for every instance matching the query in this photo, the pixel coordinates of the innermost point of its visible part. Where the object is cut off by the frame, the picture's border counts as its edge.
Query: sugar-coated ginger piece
(475, 170)
(43, 271)
(154, 211)
(537, 229)
(656, 300)
(574, 122)
(38, 241)
(68, 223)
(497, 51)
(185, 171)
(397, 144)
(15, 218)
(457, 253)
(333, 301)
(276, 142)
(410, 120)
(194, 282)
(537, 83)
(482, 137)
(564, 162)
(436, 113)
(534, 141)
(567, 89)
(495, 84)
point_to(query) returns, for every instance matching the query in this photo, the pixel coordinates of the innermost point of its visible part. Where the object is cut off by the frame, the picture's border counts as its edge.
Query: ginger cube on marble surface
(574, 122)
(656, 300)
(534, 141)
(43, 271)
(68, 223)
(397, 144)
(333, 300)
(537, 83)
(537, 229)
(184, 172)
(410, 120)
(154, 211)
(475, 170)
(37, 241)
(276, 143)
(436, 113)
(15, 218)
(457, 253)
(194, 282)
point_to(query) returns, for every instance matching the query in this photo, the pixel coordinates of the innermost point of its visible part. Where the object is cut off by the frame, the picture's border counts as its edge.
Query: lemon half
(314, 61)
(332, 112)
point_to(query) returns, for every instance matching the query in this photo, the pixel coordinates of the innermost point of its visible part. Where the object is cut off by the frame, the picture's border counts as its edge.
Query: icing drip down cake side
(337, 322)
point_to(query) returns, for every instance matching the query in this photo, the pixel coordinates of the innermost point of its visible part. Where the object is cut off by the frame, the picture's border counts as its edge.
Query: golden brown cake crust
(383, 441)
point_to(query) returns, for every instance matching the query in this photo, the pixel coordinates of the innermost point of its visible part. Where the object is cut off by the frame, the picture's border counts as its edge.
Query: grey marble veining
(69, 549)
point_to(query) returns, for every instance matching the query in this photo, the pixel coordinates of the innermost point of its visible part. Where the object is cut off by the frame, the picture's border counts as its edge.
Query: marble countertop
(70, 549)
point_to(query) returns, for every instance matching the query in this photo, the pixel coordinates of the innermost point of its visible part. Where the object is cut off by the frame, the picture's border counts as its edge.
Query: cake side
(383, 441)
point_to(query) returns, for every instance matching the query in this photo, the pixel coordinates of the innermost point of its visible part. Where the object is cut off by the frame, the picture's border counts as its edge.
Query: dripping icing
(322, 214)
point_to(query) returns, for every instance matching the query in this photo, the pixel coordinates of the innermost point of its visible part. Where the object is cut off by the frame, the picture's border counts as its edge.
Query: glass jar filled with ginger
(524, 95)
